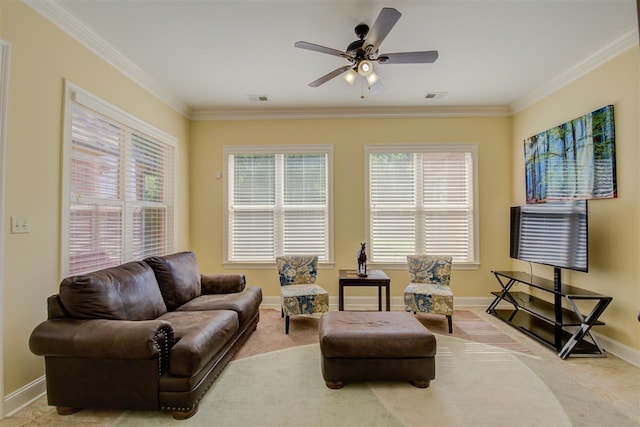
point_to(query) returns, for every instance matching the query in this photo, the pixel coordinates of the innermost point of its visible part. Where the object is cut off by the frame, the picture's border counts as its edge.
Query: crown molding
(82, 34)
(349, 113)
(627, 40)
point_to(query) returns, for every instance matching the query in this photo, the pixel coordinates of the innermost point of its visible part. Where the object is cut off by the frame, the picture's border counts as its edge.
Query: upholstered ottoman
(376, 346)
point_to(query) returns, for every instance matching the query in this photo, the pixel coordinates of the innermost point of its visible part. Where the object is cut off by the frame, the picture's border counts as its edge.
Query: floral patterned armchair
(299, 293)
(429, 290)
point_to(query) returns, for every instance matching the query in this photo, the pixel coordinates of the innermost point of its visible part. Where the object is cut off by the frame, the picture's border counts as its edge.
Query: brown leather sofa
(147, 335)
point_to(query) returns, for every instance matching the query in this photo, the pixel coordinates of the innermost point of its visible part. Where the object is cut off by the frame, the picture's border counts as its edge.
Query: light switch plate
(19, 224)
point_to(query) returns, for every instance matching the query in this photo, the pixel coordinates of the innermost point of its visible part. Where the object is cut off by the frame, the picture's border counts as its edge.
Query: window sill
(330, 265)
(267, 265)
(403, 266)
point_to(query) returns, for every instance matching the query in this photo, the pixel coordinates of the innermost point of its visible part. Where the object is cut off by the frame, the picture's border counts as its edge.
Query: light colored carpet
(483, 378)
(270, 336)
(475, 385)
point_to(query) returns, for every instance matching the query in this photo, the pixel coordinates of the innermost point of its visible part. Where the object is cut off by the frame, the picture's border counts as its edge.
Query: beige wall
(349, 136)
(42, 57)
(614, 232)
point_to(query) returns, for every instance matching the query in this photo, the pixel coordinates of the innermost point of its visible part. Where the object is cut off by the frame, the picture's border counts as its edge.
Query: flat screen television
(554, 234)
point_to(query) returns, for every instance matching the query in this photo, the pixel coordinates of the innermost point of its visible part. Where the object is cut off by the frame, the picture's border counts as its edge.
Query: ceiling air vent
(435, 95)
(258, 98)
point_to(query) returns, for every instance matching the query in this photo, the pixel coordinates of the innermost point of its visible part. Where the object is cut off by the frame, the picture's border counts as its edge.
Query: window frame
(275, 150)
(471, 148)
(76, 95)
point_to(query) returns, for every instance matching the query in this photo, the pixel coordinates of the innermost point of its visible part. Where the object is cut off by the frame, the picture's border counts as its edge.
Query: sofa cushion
(199, 336)
(126, 292)
(246, 303)
(178, 276)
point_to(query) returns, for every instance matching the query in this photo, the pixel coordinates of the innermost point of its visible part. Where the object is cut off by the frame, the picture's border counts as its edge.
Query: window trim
(274, 149)
(425, 147)
(75, 94)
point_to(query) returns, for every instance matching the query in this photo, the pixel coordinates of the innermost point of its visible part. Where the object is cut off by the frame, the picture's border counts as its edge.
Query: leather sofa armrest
(103, 339)
(222, 283)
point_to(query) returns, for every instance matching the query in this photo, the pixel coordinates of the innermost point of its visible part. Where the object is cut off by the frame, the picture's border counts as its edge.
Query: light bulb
(365, 68)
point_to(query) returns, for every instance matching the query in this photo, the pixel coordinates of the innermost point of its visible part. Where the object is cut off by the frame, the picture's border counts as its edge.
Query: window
(278, 202)
(119, 186)
(421, 200)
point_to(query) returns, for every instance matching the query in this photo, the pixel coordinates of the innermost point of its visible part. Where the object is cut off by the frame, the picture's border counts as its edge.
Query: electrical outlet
(19, 224)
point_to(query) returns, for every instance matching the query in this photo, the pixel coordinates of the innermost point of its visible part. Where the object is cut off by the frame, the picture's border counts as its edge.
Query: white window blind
(120, 196)
(278, 202)
(421, 201)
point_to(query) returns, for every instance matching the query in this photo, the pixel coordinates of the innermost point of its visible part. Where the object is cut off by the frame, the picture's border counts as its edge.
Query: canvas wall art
(576, 160)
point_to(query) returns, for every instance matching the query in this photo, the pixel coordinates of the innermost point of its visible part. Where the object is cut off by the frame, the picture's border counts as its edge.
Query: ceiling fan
(363, 52)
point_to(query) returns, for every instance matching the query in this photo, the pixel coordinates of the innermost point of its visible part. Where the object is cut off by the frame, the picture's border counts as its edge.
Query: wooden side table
(374, 278)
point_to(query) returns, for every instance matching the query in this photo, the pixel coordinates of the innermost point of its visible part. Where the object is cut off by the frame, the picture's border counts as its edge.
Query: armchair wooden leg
(450, 321)
(282, 312)
(286, 324)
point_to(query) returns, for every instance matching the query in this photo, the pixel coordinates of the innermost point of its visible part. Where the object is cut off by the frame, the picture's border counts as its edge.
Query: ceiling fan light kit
(365, 68)
(350, 76)
(372, 78)
(363, 52)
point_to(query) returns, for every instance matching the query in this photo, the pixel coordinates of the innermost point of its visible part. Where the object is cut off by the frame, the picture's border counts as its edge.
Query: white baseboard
(371, 303)
(25, 395)
(618, 349)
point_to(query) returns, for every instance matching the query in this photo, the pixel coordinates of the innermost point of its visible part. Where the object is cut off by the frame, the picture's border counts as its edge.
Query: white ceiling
(208, 56)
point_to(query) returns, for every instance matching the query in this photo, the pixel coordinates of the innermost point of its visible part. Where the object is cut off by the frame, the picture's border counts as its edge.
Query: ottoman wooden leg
(421, 383)
(66, 410)
(334, 385)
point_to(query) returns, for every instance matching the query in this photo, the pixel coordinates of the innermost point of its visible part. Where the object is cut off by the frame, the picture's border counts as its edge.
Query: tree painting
(575, 160)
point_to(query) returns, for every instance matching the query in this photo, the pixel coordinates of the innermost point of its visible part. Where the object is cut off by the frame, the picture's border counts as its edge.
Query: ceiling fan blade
(321, 49)
(329, 76)
(384, 23)
(425, 57)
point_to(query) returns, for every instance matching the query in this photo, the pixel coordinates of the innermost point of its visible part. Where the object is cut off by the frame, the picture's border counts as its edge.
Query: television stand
(565, 330)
